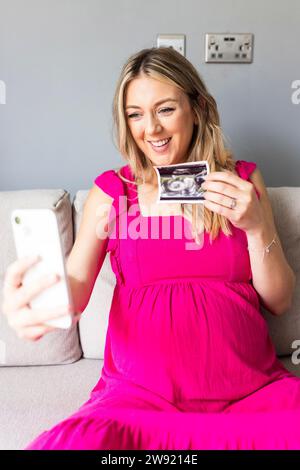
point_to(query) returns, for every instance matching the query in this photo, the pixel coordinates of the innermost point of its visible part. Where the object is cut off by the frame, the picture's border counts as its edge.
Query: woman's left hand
(224, 186)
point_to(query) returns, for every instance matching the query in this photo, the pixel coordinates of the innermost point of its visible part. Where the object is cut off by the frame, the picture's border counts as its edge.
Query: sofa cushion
(35, 399)
(94, 320)
(59, 346)
(284, 329)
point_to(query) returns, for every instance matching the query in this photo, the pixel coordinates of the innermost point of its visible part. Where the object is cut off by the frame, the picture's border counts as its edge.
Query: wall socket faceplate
(229, 47)
(176, 41)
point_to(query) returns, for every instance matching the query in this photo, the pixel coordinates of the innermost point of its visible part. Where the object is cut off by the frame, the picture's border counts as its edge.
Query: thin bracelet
(266, 249)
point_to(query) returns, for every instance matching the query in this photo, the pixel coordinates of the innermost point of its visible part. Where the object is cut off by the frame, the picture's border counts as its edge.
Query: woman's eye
(132, 115)
(163, 110)
(166, 110)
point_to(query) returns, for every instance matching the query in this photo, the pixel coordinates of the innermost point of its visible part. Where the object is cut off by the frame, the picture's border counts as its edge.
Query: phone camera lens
(17, 220)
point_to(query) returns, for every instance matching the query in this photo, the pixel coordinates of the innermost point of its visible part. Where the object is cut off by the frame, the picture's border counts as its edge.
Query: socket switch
(227, 47)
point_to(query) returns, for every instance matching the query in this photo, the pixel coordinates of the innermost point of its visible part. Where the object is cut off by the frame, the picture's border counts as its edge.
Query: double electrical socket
(229, 47)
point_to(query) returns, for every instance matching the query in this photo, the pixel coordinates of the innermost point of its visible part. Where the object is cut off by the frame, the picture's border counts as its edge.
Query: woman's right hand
(28, 323)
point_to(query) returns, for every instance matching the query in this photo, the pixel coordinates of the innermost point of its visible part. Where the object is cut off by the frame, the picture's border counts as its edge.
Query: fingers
(27, 322)
(26, 317)
(225, 189)
(24, 294)
(218, 208)
(34, 333)
(227, 176)
(15, 273)
(219, 199)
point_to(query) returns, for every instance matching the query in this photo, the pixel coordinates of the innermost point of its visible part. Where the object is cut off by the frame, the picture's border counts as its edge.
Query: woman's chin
(164, 160)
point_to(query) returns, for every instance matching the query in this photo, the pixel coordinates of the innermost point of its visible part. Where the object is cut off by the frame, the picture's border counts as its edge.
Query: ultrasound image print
(181, 182)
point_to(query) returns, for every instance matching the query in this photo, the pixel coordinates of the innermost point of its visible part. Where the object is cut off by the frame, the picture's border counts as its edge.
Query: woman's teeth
(161, 145)
(160, 142)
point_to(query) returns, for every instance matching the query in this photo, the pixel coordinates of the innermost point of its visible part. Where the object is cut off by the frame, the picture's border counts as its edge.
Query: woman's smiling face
(156, 111)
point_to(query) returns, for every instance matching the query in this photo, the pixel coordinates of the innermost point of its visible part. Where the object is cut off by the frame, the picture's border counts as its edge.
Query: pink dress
(188, 362)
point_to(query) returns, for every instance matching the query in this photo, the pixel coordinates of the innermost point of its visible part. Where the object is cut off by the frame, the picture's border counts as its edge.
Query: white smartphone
(36, 233)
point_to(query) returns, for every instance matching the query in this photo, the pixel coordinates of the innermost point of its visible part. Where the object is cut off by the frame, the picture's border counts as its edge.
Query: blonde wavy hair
(207, 143)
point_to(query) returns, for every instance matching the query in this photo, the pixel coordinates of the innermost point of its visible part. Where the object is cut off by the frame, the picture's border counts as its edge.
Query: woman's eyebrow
(157, 103)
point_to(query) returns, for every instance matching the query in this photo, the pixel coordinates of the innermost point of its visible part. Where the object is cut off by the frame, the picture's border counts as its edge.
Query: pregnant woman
(188, 363)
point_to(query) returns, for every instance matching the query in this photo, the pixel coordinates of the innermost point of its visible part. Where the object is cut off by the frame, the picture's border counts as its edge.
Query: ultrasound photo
(181, 182)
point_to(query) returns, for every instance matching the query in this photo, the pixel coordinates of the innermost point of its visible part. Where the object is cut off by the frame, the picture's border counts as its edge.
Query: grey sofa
(45, 381)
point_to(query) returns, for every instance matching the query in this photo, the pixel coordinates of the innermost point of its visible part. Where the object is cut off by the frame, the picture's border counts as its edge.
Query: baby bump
(191, 339)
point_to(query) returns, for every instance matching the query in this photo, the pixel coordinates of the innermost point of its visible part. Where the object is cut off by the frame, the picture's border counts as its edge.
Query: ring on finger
(233, 203)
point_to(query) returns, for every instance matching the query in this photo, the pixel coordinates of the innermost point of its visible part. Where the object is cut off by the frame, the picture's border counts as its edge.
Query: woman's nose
(152, 125)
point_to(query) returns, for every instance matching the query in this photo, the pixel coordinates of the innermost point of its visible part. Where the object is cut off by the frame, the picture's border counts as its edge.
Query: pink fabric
(188, 363)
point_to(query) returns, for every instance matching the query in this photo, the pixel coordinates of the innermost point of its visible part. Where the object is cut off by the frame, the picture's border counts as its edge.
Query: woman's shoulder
(110, 181)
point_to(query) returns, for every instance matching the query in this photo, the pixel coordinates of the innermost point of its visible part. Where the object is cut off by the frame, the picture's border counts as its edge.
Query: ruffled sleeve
(244, 170)
(111, 184)
(107, 182)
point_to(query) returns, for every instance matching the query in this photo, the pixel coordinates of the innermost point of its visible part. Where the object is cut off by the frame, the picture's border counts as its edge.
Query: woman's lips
(161, 149)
